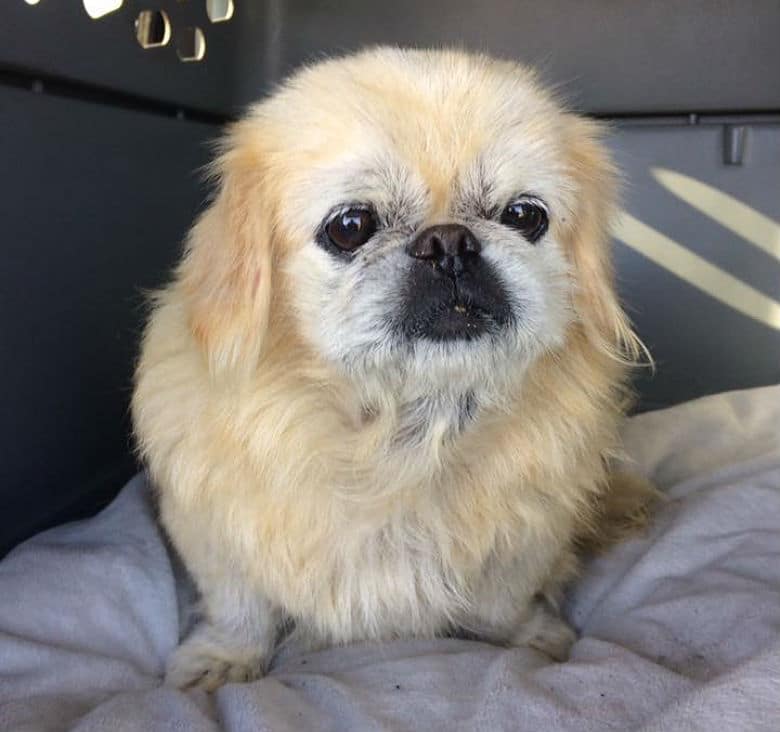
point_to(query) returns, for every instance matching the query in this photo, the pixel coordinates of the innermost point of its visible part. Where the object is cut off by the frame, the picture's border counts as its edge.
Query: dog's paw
(206, 661)
(546, 632)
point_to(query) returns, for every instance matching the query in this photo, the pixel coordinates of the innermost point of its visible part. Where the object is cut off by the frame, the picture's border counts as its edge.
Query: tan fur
(282, 480)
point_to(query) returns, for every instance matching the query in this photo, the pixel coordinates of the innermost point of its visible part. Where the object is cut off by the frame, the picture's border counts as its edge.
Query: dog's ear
(226, 275)
(589, 239)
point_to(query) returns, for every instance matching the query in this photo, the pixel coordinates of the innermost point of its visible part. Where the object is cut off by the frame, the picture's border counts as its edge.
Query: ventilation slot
(98, 8)
(219, 10)
(152, 28)
(190, 45)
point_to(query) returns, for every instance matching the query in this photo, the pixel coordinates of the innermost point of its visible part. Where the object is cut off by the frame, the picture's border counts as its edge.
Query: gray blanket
(680, 630)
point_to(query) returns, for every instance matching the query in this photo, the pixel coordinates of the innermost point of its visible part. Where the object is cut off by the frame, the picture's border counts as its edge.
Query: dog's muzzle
(452, 292)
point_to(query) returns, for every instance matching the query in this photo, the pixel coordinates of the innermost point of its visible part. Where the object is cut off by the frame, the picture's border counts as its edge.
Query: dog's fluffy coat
(311, 466)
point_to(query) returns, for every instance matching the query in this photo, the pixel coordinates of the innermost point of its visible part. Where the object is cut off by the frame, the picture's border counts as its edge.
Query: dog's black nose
(449, 246)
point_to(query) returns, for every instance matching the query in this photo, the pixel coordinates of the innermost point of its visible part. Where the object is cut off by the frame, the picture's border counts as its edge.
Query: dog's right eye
(352, 228)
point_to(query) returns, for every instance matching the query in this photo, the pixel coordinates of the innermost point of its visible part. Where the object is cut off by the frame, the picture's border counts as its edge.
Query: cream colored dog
(379, 397)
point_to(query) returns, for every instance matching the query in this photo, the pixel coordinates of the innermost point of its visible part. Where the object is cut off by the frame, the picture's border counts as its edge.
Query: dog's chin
(452, 322)
(446, 355)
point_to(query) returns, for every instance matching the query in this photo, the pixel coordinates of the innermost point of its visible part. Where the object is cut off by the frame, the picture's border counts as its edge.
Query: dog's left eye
(528, 215)
(352, 228)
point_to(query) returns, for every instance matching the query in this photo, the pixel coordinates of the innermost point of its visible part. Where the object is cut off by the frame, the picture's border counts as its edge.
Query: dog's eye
(351, 229)
(528, 215)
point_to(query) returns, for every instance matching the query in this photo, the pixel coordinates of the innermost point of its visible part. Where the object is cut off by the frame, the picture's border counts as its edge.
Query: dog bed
(679, 630)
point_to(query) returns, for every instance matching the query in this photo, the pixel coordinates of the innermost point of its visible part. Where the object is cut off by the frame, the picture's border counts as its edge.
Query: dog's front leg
(543, 628)
(517, 605)
(232, 643)
(534, 623)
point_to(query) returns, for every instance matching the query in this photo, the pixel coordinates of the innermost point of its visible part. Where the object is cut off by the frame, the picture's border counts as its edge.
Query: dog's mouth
(441, 308)
(454, 320)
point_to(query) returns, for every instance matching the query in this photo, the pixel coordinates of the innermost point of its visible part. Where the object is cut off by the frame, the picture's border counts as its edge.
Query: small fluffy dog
(380, 396)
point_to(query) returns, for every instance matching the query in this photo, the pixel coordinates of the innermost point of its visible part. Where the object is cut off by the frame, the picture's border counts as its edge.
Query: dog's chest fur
(432, 520)
(412, 575)
(429, 549)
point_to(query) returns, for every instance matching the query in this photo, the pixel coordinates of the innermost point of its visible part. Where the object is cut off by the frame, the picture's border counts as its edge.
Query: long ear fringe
(225, 276)
(625, 346)
(599, 308)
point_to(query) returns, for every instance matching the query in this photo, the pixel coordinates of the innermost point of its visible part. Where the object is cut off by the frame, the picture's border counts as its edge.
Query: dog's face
(437, 261)
(425, 221)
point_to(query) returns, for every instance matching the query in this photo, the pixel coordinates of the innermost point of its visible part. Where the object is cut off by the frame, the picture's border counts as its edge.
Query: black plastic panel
(707, 332)
(58, 38)
(94, 206)
(607, 56)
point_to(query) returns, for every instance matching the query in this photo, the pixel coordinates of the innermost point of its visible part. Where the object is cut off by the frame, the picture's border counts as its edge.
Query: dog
(381, 396)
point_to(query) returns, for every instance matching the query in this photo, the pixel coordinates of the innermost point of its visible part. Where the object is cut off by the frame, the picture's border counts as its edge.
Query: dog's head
(419, 220)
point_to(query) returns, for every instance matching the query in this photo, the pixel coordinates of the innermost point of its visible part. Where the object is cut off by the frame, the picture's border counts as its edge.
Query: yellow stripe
(728, 211)
(697, 271)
